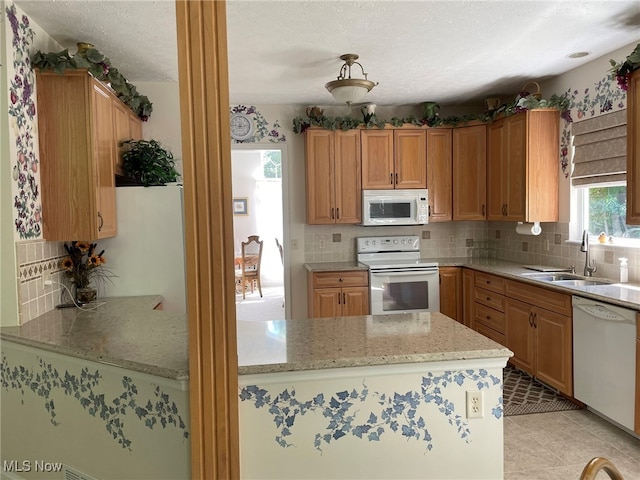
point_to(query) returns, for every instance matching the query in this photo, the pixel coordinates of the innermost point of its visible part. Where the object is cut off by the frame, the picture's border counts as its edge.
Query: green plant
(100, 67)
(431, 118)
(146, 162)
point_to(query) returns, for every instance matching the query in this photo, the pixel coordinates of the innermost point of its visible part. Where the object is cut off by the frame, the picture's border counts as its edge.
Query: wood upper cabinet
(469, 172)
(633, 149)
(451, 292)
(337, 294)
(77, 156)
(439, 174)
(394, 158)
(522, 167)
(127, 126)
(334, 194)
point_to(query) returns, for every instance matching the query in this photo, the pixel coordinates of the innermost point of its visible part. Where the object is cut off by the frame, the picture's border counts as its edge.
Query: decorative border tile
(398, 413)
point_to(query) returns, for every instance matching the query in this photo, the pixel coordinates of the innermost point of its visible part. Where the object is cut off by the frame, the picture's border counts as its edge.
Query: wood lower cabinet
(468, 295)
(488, 296)
(522, 167)
(633, 149)
(637, 419)
(440, 174)
(394, 158)
(539, 332)
(334, 193)
(451, 292)
(469, 172)
(78, 151)
(338, 293)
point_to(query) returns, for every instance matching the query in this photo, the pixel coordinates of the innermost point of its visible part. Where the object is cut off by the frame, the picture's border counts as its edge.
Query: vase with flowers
(82, 265)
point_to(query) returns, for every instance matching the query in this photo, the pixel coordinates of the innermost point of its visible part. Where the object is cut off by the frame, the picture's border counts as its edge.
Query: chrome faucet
(590, 266)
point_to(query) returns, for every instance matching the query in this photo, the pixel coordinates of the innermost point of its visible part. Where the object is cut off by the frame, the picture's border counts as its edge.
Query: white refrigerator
(147, 255)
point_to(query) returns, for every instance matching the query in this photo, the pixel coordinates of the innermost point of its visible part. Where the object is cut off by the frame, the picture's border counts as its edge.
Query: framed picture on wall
(240, 206)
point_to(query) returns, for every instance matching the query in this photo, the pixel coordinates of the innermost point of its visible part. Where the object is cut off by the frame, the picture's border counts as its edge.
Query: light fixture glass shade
(348, 93)
(346, 89)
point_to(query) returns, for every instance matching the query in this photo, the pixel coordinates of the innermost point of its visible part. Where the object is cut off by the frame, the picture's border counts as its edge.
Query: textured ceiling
(283, 52)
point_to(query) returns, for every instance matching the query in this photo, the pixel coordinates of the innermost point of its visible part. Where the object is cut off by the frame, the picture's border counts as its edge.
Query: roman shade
(600, 154)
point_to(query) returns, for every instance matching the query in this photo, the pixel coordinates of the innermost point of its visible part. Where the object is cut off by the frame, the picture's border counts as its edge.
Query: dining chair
(248, 275)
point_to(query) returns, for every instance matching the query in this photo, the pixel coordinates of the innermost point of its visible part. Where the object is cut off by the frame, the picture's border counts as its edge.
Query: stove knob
(373, 242)
(395, 241)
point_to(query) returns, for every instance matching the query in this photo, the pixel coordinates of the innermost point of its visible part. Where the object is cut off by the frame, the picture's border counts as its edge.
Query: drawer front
(539, 296)
(492, 334)
(489, 298)
(490, 318)
(349, 278)
(490, 282)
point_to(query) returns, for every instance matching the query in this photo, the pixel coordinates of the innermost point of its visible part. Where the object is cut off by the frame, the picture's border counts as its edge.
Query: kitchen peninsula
(314, 394)
(375, 396)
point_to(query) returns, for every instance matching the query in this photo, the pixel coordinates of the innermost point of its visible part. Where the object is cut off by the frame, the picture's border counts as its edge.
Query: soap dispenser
(624, 270)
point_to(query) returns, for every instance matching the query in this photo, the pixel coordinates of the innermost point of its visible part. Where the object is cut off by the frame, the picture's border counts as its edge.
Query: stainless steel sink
(579, 282)
(552, 277)
(565, 279)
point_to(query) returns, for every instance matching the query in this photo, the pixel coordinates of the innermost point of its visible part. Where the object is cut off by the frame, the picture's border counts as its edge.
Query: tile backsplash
(331, 243)
(35, 259)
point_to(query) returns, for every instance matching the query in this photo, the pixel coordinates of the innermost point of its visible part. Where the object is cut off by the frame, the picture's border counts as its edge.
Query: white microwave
(395, 207)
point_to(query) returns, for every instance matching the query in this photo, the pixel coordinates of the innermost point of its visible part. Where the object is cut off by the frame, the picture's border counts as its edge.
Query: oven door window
(405, 296)
(379, 210)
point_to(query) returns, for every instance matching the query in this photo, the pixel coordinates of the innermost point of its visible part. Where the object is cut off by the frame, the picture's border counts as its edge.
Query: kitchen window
(603, 208)
(599, 176)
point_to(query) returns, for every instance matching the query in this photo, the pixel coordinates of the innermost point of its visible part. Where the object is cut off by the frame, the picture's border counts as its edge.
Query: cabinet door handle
(338, 213)
(396, 178)
(429, 211)
(531, 319)
(483, 209)
(391, 178)
(101, 222)
(332, 213)
(341, 279)
(344, 298)
(535, 320)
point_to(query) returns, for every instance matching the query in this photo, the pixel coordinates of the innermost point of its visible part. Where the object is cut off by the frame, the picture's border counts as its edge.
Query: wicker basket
(527, 90)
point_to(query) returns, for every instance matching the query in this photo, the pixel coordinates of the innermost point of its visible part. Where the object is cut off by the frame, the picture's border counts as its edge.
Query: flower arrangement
(622, 71)
(83, 263)
(100, 67)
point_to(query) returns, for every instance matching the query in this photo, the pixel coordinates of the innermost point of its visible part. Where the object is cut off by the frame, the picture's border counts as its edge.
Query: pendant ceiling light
(346, 89)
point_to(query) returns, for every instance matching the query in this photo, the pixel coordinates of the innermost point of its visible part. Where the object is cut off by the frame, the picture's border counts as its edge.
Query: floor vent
(71, 474)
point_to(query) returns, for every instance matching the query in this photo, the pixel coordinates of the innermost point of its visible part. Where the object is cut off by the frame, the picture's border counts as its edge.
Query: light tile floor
(558, 445)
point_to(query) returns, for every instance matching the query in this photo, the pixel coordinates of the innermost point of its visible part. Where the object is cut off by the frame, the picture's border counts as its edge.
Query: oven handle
(397, 273)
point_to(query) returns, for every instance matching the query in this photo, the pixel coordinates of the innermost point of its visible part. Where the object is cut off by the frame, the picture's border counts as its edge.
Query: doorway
(258, 177)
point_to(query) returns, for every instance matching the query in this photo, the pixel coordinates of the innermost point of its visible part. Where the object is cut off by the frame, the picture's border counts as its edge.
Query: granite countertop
(125, 332)
(334, 266)
(370, 340)
(622, 294)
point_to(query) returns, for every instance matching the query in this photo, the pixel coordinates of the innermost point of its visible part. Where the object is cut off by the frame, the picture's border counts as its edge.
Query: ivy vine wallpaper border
(606, 97)
(160, 410)
(262, 129)
(398, 413)
(22, 117)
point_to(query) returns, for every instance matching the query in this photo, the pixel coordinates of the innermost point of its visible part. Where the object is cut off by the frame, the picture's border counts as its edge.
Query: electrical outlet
(474, 404)
(46, 279)
(294, 244)
(452, 239)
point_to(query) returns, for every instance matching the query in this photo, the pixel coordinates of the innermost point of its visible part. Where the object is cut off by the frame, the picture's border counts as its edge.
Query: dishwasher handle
(603, 313)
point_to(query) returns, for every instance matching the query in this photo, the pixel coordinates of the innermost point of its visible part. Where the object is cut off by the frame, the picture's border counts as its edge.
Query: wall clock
(241, 127)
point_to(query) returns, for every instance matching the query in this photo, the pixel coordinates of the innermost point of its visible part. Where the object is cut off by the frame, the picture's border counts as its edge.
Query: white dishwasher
(604, 359)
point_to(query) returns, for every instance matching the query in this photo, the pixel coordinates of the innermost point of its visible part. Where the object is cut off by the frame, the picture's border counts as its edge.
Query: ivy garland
(622, 71)
(100, 67)
(431, 118)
